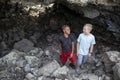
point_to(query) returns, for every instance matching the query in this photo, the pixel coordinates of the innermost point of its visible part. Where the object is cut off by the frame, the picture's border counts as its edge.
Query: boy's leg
(79, 62)
(73, 59)
(64, 57)
(85, 58)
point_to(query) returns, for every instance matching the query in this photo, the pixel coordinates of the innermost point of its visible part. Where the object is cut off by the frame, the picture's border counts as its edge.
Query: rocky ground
(29, 41)
(27, 62)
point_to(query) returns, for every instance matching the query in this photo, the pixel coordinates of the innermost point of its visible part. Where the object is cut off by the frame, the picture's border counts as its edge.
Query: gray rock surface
(29, 76)
(12, 57)
(48, 69)
(36, 52)
(90, 12)
(88, 76)
(52, 52)
(20, 63)
(116, 70)
(84, 2)
(110, 58)
(63, 71)
(27, 68)
(24, 45)
(32, 60)
(40, 78)
(114, 56)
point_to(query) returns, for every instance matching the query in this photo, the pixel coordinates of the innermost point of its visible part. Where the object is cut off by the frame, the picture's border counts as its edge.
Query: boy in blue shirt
(85, 45)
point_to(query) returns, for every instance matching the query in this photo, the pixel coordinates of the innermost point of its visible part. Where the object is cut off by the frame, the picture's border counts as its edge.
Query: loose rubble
(39, 64)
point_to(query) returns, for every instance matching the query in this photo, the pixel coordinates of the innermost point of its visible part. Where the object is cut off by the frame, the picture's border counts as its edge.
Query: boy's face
(67, 30)
(86, 30)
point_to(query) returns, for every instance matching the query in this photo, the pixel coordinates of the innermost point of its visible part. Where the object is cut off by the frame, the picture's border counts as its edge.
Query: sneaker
(82, 66)
(72, 66)
(77, 71)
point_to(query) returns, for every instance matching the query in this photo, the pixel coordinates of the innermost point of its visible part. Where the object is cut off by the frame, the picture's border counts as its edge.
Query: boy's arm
(92, 45)
(78, 45)
(60, 48)
(91, 49)
(72, 49)
(73, 45)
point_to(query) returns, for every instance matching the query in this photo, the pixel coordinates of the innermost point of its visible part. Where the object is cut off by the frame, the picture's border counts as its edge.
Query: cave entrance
(17, 25)
(61, 15)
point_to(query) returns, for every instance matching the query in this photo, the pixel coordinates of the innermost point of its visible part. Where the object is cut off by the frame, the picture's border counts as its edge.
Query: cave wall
(103, 14)
(94, 1)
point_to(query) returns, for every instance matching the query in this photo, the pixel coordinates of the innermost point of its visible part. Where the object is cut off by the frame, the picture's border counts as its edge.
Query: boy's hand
(71, 55)
(89, 54)
(78, 54)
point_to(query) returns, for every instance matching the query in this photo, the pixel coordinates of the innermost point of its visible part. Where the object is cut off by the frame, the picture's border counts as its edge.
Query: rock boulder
(63, 71)
(116, 70)
(48, 69)
(88, 77)
(12, 57)
(24, 45)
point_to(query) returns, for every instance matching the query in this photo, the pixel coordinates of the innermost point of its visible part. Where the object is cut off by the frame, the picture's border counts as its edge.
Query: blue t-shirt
(85, 42)
(66, 43)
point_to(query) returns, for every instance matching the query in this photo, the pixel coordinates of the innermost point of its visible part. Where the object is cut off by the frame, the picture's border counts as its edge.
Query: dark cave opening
(63, 15)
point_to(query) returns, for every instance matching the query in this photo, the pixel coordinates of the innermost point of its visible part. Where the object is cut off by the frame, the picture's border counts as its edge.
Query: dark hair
(64, 26)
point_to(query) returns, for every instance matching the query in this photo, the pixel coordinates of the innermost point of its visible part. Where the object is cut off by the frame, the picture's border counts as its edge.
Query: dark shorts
(65, 57)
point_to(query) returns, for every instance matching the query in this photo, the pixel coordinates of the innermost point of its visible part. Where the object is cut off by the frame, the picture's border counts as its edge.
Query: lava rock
(29, 76)
(24, 45)
(57, 79)
(116, 1)
(40, 78)
(88, 77)
(3, 45)
(113, 26)
(12, 72)
(53, 52)
(20, 63)
(48, 69)
(35, 37)
(116, 70)
(61, 72)
(114, 56)
(85, 2)
(36, 52)
(32, 60)
(49, 38)
(12, 57)
(110, 58)
(105, 77)
(27, 68)
(90, 12)
(48, 1)
(34, 70)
